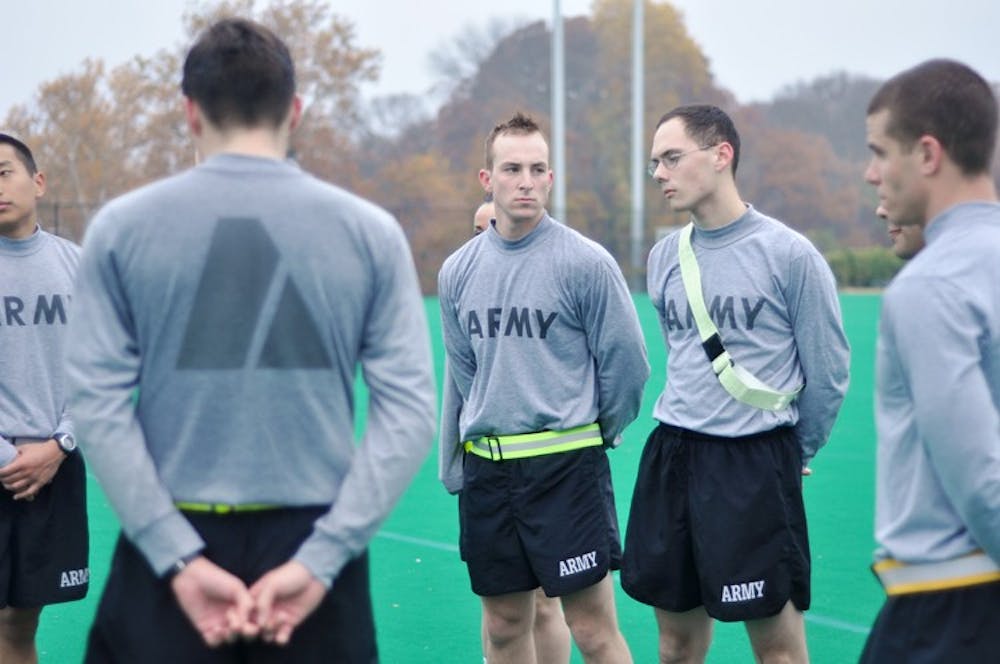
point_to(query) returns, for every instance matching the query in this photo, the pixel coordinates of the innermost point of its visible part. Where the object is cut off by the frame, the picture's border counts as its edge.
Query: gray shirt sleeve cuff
(168, 540)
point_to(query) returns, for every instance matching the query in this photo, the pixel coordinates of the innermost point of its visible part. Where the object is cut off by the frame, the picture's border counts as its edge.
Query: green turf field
(426, 613)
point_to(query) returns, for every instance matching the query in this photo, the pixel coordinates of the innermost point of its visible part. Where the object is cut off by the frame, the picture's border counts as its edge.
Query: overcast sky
(755, 48)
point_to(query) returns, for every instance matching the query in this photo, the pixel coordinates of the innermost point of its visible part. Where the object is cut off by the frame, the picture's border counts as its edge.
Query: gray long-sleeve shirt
(774, 301)
(36, 282)
(541, 333)
(938, 394)
(240, 297)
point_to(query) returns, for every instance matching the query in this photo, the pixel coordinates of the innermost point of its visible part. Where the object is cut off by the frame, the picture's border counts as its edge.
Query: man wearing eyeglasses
(717, 527)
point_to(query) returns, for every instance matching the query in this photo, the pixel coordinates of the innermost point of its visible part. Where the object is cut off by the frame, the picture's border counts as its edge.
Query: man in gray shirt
(43, 504)
(549, 632)
(240, 297)
(547, 357)
(932, 132)
(717, 527)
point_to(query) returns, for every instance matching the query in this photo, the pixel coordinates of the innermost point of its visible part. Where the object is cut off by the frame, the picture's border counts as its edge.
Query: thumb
(262, 593)
(240, 612)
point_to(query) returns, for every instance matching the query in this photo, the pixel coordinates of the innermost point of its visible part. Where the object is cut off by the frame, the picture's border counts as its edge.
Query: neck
(265, 142)
(977, 188)
(19, 230)
(514, 229)
(720, 209)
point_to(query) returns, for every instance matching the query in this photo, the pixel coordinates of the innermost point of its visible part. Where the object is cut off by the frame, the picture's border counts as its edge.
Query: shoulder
(781, 237)
(63, 246)
(56, 250)
(135, 204)
(665, 245)
(349, 205)
(462, 259)
(573, 250)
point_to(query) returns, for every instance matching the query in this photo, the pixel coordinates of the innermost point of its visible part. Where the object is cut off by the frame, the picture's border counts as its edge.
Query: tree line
(100, 131)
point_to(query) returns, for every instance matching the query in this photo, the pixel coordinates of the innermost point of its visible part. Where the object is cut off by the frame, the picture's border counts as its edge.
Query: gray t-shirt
(541, 334)
(36, 282)
(938, 394)
(240, 297)
(774, 300)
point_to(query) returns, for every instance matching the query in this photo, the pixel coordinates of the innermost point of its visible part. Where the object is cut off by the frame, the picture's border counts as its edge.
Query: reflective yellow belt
(523, 445)
(901, 579)
(224, 508)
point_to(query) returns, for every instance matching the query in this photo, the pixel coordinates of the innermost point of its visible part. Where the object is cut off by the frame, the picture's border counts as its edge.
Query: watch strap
(180, 564)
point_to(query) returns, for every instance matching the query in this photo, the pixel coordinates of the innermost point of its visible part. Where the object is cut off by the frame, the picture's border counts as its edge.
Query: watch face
(66, 442)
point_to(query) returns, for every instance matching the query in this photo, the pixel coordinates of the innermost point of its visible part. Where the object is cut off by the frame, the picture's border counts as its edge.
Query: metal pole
(638, 162)
(558, 115)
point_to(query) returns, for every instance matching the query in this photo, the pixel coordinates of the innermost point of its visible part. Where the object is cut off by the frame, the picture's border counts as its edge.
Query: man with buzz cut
(549, 632)
(240, 297)
(932, 132)
(544, 346)
(757, 367)
(43, 504)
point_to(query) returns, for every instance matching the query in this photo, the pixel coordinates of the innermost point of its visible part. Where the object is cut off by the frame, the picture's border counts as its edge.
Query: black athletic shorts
(950, 626)
(544, 521)
(45, 542)
(720, 523)
(139, 620)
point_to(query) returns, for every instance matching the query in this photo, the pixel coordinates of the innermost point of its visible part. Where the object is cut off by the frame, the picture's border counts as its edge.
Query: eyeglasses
(669, 160)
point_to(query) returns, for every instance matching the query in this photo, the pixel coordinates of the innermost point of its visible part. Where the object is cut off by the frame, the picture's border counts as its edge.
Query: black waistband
(688, 434)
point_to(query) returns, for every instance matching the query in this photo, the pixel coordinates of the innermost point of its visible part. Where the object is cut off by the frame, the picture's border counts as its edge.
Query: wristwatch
(66, 442)
(178, 566)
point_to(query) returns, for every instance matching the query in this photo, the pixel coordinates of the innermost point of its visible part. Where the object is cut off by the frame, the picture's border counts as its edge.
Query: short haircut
(520, 125)
(22, 151)
(947, 100)
(240, 74)
(708, 125)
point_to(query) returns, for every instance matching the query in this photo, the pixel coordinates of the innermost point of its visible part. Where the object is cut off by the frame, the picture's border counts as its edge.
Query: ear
(931, 153)
(485, 180)
(39, 180)
(551, 180)
(296, 112)
(192, 113)
(723, 156)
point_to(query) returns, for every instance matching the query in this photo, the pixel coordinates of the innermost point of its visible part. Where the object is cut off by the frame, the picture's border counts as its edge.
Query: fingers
(25, 490)
(279, 630)
(284, 633)
(240, 617)
(250, 628)
(275, 624)
(214, 635)
(222, 609)
(263, 597)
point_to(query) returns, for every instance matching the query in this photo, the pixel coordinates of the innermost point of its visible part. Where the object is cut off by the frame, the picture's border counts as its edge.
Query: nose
(871, 173)
(660, 173)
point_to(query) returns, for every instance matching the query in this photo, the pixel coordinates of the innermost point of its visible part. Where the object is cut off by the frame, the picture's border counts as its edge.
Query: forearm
(450, 451)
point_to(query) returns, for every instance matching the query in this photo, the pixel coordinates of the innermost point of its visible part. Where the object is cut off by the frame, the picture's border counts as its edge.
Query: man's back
(242, 294)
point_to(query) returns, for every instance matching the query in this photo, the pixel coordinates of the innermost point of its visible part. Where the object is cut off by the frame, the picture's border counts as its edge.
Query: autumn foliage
(100, 131)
